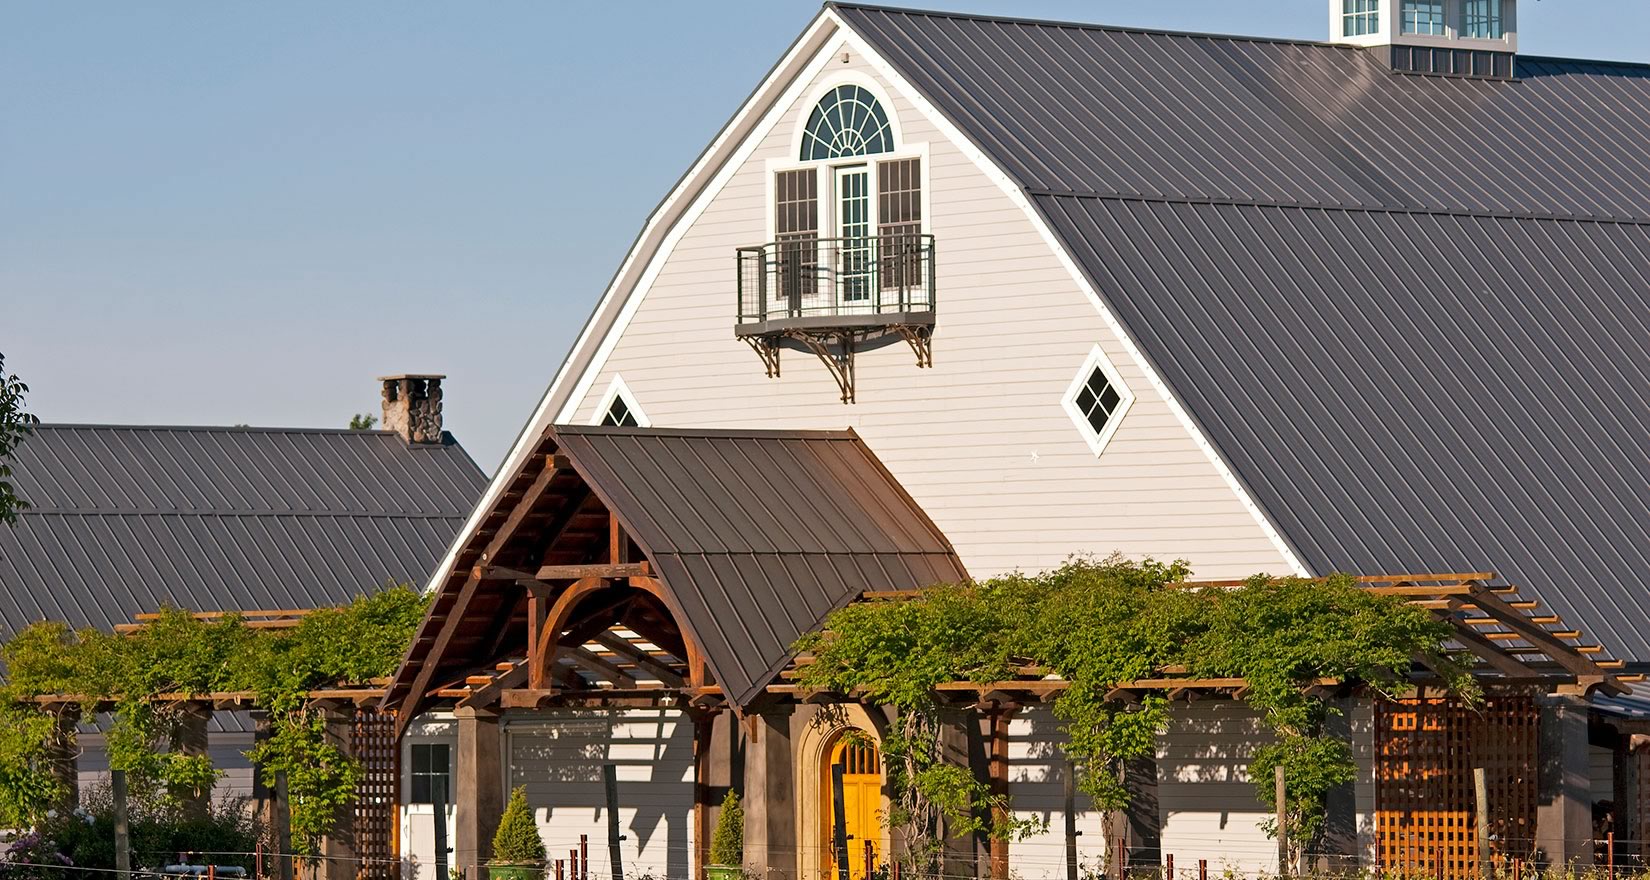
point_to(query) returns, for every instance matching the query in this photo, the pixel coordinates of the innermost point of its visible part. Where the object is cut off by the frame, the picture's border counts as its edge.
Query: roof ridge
(1083, 25)
(714, 433)
(253, 429)
(1314, 206)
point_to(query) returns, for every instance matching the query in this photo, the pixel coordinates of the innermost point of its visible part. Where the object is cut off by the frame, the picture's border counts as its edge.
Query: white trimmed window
(1423, 17)
(1360, 17)
(1097, 400)
(618, 408)
(1483, 20)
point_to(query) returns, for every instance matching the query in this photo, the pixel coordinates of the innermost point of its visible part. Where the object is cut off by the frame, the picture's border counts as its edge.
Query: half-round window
(848, 121)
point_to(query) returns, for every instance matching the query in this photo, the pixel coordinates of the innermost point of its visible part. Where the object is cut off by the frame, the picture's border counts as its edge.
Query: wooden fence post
(1279, 795)
(1481, 797)
(123, 830)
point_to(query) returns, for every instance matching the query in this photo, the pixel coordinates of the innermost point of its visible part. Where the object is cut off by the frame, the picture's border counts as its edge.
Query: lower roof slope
(760, 534)
(125, 519)
(1409, 391)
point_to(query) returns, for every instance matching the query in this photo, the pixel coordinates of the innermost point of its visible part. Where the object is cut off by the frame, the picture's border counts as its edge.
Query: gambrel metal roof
(125, 519)
(1412, 312)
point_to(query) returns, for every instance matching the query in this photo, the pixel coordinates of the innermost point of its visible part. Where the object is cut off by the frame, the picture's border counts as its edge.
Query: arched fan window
(848, 121)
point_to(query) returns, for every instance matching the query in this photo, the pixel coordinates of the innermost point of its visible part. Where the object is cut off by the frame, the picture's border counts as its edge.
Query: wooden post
(1202, 869)
(439, 808)
(1610, 854)
(999, 789)
(573, 857)
(871, 860)
(283, 829)
(560, 864)
(123, 830)
(839, 823)
(1168, 867)
(1481, 818)
(1122, 857)
(258, 860)
(1518, 869)
(1070, 809)
(610, 782)
(1280, 796)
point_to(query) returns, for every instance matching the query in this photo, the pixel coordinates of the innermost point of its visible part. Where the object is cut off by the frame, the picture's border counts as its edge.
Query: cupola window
(1423, 17)
(848, 121)
(1360, 17)
(1483, 20)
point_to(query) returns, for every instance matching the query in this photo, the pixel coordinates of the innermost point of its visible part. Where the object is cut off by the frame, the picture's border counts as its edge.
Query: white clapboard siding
(1036, 790)
(558, 755)
(1208, 805)
(981, 439)
(227, 750)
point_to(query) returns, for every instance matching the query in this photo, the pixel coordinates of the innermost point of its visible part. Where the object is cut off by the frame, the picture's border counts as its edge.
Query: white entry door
(856, 257)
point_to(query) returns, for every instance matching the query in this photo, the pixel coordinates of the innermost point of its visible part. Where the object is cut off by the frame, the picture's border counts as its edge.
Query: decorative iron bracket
(840, 363)
(920, 339)
(766, 348)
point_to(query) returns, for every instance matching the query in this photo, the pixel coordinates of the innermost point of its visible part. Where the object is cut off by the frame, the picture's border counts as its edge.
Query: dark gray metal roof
(758, 535)
(1369, 288)
(1116, 111)
(125, 519)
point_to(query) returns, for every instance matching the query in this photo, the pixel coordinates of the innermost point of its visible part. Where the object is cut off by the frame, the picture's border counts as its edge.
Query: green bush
(517, 840)
(727, 845)
(159, 831)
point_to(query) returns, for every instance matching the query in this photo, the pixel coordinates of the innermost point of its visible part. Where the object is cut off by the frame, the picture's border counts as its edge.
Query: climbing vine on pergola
(145, 678)
(1098, 624)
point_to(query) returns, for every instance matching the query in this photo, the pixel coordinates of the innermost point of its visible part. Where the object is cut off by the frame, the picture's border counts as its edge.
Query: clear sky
(221, 213)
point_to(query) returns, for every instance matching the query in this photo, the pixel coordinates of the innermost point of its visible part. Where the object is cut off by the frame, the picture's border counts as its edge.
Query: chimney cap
(412, 376)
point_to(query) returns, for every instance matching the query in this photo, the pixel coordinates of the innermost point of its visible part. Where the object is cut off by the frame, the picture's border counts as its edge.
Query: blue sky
(220, 213)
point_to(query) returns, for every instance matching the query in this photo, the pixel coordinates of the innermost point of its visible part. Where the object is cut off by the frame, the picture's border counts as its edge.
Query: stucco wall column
(770, 792)
(190, 738)
(1564, 813)
(480, 784)
(338, 847)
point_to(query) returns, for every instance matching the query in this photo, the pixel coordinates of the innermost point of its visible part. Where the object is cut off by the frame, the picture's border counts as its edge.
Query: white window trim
(618, 389)
(828, 81)
(1097, 440)
(826, 190)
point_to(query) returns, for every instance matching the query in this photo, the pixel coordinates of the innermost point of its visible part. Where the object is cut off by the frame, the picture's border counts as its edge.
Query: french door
(856, 254)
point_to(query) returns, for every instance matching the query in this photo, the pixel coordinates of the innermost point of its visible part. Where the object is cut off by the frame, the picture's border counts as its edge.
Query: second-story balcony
(852, 285)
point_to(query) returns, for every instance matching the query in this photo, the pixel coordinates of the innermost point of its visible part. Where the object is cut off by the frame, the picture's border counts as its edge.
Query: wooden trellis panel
(376, 801)
(1426, 750)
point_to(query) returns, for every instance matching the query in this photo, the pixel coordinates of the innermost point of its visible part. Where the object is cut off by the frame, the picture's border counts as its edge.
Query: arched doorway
(861, 771)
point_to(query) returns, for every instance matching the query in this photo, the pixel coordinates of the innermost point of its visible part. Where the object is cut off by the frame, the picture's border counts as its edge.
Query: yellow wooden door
(861, 805)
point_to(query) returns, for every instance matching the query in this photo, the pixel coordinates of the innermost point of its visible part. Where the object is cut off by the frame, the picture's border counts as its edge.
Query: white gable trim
(617, 389)
(735, 136)
(1012, 189)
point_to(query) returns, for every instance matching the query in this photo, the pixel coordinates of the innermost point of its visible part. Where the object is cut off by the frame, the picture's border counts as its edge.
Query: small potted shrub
(727, 845)
(518, 852)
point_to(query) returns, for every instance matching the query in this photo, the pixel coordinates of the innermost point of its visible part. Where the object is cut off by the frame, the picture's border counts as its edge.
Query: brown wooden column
(998, 752)
(190, 737)
(63, 753)
(480, 783)
(338, 847)
(770, 796)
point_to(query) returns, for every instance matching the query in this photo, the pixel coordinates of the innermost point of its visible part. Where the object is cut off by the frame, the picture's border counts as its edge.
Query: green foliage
(87, 837)
(362, 422)
(727, 844)
(15, 424)
(1099, 623)
(517, 840)
(146, 674)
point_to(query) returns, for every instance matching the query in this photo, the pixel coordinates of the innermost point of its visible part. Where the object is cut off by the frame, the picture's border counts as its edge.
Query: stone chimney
(412, 406)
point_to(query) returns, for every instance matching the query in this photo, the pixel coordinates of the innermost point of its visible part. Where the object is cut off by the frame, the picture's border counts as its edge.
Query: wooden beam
(541, 655)
(488, 694)
(595, 570)
(643, 661)
(601, 666)
(467, 591)
(1566, 655)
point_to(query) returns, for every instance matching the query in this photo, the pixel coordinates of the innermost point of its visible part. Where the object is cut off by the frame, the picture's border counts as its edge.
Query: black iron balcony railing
(824, 282)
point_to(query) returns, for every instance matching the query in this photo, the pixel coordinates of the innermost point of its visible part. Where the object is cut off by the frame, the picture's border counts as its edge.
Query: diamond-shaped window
(618, 408)
(1097, 400)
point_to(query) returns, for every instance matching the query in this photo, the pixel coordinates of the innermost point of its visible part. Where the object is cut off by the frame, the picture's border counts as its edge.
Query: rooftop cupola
(1440, 37)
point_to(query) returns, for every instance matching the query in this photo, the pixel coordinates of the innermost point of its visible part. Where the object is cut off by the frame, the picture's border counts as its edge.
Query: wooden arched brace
(695, 659)
(542, 651)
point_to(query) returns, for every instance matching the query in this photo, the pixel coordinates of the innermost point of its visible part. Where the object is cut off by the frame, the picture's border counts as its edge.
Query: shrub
(727, 845)
(517, 840)
(158, 831)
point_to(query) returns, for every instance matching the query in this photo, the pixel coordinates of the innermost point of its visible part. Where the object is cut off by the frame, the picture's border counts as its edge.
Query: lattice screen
(376, 825)
(1426, 750)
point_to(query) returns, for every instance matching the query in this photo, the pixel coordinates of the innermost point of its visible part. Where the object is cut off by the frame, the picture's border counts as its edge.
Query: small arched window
(848, 121)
